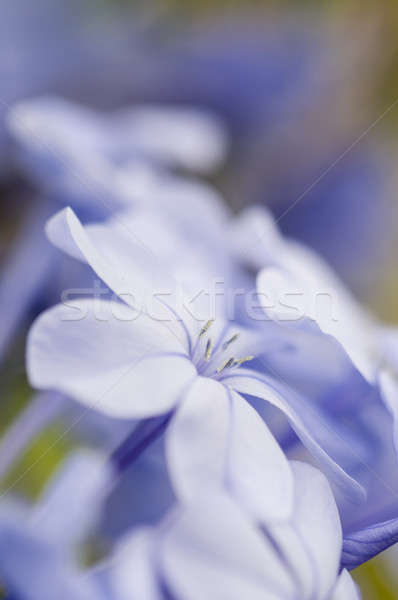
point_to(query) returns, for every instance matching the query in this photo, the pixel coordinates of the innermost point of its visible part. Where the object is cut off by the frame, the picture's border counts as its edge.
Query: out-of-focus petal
(297, 286)
(191, 204)
(320, 302)
(212, 550)
(186, 137)
(346, 588)
(70, 503)
(52, 129)
(134, 575)
(316, 518)
(254, 237)
(301, 541)
(47, 572)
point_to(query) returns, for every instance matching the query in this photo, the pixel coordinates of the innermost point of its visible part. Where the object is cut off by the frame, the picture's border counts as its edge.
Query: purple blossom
(198, 366)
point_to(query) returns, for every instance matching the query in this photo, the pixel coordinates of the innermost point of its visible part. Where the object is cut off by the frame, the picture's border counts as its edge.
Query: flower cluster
(231, 409)
(237, 406)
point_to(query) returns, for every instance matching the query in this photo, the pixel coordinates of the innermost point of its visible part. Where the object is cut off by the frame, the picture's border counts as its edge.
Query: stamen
(243, 360)
(230, 341)
(206, 328)
(209, 349)
(226, 365)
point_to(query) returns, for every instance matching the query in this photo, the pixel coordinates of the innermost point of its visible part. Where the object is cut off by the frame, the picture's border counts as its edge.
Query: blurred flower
(73, 153)
(69, 150)
(291, 270)
(38, 545)
(210, 549)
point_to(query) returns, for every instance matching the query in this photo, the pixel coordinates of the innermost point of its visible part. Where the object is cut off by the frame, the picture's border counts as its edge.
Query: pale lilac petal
(131, 265)
(63, 148)
(288, 265)
(346, 588)
(124, 261)
(100, 577)
(254, 237)
(70, 503)
(255, 385)
(180, 136)
(301, 540)
(216, 439)
(197, 439)
(49, 125)
(212, 550)
(47, 571)
(295, 557)
(260, 475)
(302, 281)
(107, 334)
(133, 573)
(191, 205)
(59, 231)
(316, 519)
(122, 367)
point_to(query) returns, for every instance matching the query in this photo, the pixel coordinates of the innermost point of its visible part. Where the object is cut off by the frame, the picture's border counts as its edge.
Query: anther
(206, 328)
(230, 341)
(209, 349)
(243, 360)
(226, 365)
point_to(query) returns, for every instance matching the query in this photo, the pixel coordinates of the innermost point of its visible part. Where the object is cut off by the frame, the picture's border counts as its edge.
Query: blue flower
(133, 366)
(198, 365)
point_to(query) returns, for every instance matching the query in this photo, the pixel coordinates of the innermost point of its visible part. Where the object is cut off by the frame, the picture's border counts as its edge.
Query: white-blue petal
(217, 440)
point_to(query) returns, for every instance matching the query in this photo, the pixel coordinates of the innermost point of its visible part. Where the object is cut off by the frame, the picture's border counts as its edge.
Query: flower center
(212, 360)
